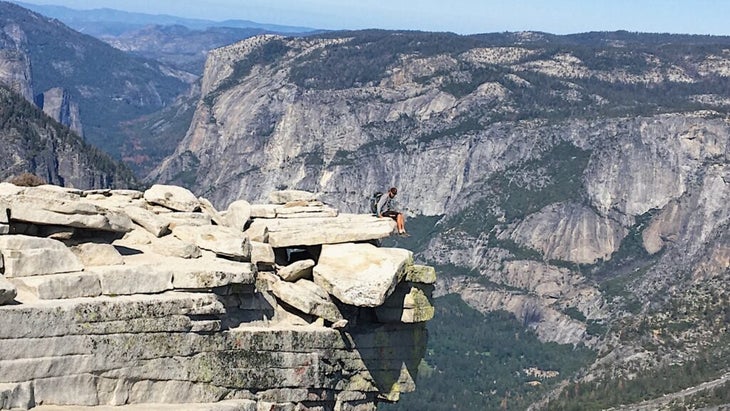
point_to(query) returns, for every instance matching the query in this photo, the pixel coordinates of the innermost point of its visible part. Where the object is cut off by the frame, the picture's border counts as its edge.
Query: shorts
(390, 213)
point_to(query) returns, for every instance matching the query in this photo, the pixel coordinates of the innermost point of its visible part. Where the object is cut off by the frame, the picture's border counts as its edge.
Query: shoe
(404, 234)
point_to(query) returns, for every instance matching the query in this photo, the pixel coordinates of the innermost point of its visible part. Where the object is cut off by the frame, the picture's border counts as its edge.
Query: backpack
(374, 202)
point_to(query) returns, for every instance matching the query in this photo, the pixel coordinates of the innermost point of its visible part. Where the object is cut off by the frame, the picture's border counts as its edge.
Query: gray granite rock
(360, 274)
(25, 256)
(173, 197)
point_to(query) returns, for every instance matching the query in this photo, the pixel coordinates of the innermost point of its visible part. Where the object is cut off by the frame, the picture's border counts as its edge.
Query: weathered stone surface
(409, 303)
(134, 279)
(420, 274)
(262, 253)
(106, 315)
(264, 210)
(569, 232)
(93, 254)
(305, 210)
(360, 274)
(296, 270)
(238, 214)
(307, 297)
(285, 196)
(173, 197)
(150, 221)
(25, 256)
(7, 290)
(178, 218)
(80, 214)
(4, 228)
(58, 286)
(205, 273)
(208, 208)
(341, 229)
(172, 246)
(16, 396)
(258, 233)
(221, 240)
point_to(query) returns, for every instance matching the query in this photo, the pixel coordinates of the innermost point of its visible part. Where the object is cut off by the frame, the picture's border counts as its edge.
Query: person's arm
(382, 202)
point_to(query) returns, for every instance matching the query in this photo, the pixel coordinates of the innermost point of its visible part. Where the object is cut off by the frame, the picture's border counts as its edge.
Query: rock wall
(119, 297)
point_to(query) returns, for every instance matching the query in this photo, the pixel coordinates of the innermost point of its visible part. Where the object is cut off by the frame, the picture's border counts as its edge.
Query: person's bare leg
(401, 223)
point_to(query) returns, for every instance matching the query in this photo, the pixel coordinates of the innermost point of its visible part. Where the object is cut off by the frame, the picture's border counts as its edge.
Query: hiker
(384, 210)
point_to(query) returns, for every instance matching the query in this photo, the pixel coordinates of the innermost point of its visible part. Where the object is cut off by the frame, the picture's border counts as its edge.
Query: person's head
(392, 192)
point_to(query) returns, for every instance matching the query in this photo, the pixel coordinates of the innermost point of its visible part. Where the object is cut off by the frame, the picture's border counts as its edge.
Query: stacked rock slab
(124, 298)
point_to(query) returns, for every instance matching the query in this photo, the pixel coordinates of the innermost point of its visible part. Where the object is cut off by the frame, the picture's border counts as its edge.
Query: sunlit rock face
(114, 297)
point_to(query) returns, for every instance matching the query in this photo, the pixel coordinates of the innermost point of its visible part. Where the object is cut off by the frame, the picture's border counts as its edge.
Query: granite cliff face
(102, 87)
(31, 142)
(122, 297)
(578, 178)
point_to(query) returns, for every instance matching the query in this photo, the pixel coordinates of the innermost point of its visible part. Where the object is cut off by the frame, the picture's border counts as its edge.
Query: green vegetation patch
(603, 393)
(477, 362)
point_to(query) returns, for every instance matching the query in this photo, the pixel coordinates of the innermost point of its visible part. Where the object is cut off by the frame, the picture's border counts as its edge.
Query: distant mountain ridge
(109, 85)
(105, 21)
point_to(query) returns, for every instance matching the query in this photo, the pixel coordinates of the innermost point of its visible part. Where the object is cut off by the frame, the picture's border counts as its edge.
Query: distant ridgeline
(114, 297)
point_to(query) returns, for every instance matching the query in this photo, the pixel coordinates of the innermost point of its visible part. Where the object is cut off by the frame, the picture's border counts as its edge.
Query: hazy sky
(460, 16)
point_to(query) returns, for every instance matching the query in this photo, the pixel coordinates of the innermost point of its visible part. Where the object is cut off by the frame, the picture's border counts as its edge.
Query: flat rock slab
(345, 228)
(173, 197)
(361, 274)
(25, 256)
(286, 196)
(67, 213)
(61, 286)
(134, 279)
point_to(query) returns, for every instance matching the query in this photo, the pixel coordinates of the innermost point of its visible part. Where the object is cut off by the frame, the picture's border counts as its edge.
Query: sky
(458, 16)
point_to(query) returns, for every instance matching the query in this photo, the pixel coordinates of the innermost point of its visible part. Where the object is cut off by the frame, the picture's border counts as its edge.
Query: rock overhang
(252, 302)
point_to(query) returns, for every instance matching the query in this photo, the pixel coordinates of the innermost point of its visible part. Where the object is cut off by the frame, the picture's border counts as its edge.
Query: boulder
(172, 246)
(25, 256)
(221, 240)
(148, 220)
(93, 254)
(173, 197)
(296, 270)
(285, 196)
(308, 297)
(361, 274)
(238, 214)
(7, 291)
(344, 228)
